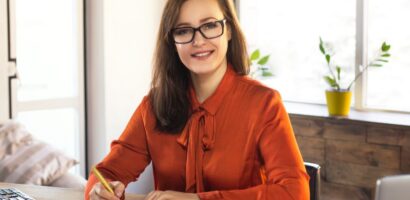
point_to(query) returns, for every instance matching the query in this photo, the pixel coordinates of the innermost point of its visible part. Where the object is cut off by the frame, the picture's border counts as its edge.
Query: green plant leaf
(329, 80)
(375, 65)
(322, 49)
(328, 58)
(381, 60)
(385, 47)
(255, 55)
(338, 69)
(386, 55)
(264, 60)
(267, 73)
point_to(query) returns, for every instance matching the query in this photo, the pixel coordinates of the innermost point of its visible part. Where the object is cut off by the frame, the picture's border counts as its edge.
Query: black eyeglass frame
(222, 22)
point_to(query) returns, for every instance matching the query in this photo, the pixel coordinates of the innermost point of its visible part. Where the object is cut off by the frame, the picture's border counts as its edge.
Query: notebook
(13, 194)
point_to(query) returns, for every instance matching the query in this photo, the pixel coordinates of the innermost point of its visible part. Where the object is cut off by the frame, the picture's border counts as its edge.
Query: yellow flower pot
(338, 102)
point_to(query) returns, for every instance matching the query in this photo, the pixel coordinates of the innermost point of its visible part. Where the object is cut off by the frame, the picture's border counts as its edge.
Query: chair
(314, 183)
(395, 187)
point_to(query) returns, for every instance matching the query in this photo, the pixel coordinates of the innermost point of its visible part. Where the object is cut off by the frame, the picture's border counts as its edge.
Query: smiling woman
(195, 126)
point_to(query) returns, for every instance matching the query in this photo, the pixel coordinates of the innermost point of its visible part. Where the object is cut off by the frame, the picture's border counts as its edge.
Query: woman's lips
(202, 55)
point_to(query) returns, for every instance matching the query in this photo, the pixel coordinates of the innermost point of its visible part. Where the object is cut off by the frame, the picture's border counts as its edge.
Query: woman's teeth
(203, 54)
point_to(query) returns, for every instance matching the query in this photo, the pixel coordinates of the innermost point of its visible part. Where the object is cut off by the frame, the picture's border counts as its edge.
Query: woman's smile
(202, 55)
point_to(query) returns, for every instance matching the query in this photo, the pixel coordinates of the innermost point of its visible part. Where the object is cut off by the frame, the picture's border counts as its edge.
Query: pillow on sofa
(70, 180)
(31, 161)
(12, 136)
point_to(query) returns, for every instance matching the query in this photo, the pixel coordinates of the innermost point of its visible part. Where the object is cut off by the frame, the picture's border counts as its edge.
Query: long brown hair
(169, 88)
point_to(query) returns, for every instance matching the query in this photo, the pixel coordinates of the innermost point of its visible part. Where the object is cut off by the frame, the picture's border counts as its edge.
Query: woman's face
(202, 56)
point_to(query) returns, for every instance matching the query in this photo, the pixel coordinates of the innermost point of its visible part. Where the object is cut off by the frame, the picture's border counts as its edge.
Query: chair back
(395, 187)
(313, 171)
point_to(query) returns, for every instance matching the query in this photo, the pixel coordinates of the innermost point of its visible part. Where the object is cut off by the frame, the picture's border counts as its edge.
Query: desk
(53, 193)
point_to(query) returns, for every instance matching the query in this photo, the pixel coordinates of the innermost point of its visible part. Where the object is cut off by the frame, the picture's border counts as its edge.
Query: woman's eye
(211, 25)
(182, 31)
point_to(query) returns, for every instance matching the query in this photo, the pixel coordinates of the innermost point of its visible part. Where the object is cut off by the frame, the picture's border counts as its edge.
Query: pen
(102, 180)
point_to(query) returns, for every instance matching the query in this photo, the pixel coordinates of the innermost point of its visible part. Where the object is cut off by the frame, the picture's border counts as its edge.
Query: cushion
(26, 160)
(69, 180)
(12, 136)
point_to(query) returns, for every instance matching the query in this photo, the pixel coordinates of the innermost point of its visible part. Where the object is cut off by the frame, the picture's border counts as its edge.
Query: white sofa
(26, 160)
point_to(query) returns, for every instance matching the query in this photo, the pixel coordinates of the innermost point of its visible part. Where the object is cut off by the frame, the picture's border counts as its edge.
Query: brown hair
(169, 88)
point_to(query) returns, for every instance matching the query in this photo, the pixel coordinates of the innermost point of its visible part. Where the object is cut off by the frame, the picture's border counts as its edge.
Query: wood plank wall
(352, 154)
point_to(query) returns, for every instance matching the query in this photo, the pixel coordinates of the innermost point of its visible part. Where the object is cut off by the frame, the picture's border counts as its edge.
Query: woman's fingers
(118, 188)
(171, 195)
(105, 194)
(93, 192)
(99, 192)
(153, 195)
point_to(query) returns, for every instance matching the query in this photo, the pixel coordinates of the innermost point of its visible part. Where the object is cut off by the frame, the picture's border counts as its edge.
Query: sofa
(26, 160)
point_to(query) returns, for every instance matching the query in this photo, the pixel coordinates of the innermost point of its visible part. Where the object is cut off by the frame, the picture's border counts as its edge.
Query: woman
(209, 130)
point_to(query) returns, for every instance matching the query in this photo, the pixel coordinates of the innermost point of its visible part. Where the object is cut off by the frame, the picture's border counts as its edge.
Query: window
(387, 87)
(290, 31)
(48, 97)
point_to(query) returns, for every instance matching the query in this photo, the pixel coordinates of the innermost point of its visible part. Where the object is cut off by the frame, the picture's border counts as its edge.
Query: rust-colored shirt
(238, 144)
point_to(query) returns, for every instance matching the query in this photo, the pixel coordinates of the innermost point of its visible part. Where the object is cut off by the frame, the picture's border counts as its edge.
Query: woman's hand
(171, 195)
(99, 192)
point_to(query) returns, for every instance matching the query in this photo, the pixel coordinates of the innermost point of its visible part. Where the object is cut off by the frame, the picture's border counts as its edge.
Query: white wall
(95, 70)
(120, 42)
(3, 63)
(130, 33)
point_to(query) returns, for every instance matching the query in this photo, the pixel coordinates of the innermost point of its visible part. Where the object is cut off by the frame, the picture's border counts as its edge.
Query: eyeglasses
(208, 30)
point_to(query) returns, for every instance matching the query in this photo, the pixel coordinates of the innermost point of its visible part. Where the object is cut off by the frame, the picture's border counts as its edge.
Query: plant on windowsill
(338, 98)
(259, 65)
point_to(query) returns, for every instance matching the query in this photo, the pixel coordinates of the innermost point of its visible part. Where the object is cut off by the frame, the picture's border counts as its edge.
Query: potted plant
(338, 98)
(259, 65)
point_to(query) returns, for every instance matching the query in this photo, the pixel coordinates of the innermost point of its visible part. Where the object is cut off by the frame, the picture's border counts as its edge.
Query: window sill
(375, 117)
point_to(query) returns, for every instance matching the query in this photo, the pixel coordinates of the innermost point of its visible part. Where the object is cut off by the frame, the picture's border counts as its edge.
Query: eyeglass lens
(208, 30)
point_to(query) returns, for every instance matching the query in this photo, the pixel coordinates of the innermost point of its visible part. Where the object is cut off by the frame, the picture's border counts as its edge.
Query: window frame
(4, 62)
(78, 103)
(361, 59)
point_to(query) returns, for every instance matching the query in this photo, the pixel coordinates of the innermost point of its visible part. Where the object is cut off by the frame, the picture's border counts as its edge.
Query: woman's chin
(202, 69)
(202, 72)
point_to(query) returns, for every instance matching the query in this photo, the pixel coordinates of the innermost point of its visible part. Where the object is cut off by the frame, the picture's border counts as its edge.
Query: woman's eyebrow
(189, 24)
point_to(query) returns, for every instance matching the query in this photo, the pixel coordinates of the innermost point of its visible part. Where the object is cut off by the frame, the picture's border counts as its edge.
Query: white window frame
(7, 58)
(4, 103)
(78, 103)
(361, 57)
(360, 90)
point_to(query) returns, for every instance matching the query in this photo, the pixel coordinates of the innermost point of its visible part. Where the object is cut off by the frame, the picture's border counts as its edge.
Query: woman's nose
(198, 39)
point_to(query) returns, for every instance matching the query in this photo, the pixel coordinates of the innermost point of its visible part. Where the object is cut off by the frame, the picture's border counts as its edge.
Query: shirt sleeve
(129, 155)
(286, 177)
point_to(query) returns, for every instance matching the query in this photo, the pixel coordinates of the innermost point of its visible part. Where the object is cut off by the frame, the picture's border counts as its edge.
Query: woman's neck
(206, 84)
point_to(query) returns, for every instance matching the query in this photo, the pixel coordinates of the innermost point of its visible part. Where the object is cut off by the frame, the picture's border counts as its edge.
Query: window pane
(388, 87)
(47, 51)
(289, 31)
(56, 127)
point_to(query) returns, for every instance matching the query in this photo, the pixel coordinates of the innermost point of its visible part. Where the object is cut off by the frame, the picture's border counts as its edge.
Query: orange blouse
(238, 144)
